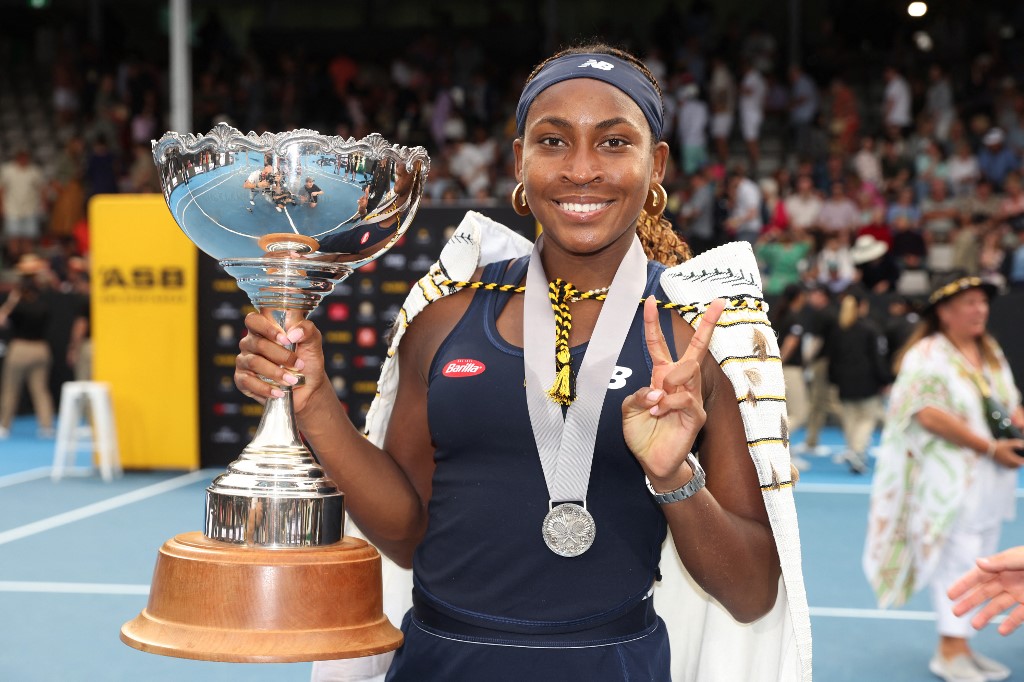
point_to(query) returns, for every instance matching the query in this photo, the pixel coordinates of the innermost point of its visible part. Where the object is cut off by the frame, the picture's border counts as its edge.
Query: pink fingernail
(295, 335)
(276, 393)
(656, 394)
(283, 340)
(290, 379)
(299, 364)
(654, 411)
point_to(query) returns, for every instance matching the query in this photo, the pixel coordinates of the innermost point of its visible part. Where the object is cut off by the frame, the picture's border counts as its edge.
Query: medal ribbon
(566, 447)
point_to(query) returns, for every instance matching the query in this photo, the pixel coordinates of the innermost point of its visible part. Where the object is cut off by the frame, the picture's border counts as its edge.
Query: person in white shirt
(753, 90)
(744, 222)
(21, 193)
(803, 206)
(722, 97)
(895, 103)
(691, 128)
(866, 163)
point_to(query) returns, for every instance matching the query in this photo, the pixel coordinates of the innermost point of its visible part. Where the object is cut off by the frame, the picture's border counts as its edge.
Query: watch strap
(690, 489)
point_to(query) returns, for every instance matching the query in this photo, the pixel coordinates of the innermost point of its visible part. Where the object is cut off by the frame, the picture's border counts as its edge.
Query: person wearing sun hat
(877, 270)
(944, 478)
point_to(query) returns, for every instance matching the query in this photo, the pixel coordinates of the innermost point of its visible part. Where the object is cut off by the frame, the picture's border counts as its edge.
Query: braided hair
(660, 241)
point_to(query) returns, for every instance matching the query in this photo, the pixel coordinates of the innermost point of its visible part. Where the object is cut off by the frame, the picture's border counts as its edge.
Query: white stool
(75, 397)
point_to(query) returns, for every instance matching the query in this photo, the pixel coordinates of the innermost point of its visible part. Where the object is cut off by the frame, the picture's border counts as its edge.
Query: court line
(95, 508)
(24, 476)
(878, 614)
(71, 588)
(841, 488)
(851, 488)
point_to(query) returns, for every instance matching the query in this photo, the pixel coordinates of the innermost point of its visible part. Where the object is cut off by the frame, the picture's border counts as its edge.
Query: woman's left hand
(660, 422)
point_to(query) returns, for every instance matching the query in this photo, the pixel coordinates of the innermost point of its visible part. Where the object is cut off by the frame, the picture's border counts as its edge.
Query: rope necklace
(561, 294)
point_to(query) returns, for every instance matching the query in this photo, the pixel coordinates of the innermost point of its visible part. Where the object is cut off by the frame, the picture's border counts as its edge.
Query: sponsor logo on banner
(337, 312)
(366, 337)
(395, 261)
(142, 284)
(226, 435)
(463, 367)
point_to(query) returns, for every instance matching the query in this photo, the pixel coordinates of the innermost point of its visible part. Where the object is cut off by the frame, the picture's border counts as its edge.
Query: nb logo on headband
(594, 64)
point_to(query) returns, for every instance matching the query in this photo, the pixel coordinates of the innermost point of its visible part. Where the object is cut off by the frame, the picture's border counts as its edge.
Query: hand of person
(263, 353)
(997, 580)
(1006, 452)
(660, 422)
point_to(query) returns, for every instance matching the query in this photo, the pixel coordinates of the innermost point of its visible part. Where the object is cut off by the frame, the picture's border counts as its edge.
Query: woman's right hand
(263, 353)
(1008, 452)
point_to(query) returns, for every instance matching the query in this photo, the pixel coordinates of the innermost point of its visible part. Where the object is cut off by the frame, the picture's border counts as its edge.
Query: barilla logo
(594, 64)
(463, 368)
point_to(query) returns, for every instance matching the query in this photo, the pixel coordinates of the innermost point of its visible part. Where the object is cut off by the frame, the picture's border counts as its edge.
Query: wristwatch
(689, 490)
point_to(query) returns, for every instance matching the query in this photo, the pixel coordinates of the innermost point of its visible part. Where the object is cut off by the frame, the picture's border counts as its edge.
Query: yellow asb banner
(143, 274)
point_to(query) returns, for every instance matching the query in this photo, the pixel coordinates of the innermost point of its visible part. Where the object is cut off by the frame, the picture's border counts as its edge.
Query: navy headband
(602, 67)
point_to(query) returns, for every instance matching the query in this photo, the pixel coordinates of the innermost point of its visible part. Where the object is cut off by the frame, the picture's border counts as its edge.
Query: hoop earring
(519, 204)
(657, 197)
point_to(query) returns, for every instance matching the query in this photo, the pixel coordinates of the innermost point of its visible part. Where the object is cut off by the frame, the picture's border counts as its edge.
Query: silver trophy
(288, 215)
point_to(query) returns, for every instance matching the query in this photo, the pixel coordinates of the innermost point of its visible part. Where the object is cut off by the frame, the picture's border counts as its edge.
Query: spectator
(834, 264)
(896, 102)
(964, 172)
(696, 216)
(691, 128)
(1011, 208)
(939, 101)
(722, 97)
(858, 368)
(821, 395)
(753, 92)
(803, 206)
(866, 163)
(744, 221)
(844, 124)
(21, 195)
(877, 271)
(996, 160)
(789, 320)
(803, 108)
(783, 259)
(839, 215)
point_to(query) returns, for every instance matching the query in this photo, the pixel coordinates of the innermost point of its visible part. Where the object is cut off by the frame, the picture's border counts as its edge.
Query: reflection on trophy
(273, 578)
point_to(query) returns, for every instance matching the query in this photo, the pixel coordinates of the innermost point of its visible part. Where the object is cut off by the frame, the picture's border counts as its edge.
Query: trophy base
(215, 601)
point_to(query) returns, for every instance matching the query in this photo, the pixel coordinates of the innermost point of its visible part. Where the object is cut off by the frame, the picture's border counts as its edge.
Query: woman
(857, 368)
(943, 483)
(460, 486)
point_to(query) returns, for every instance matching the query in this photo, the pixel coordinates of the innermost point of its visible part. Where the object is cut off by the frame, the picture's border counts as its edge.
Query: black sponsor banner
(354, 321)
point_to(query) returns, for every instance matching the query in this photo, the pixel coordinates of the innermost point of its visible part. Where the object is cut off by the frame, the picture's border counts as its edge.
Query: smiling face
(965, 315)
(587, 162)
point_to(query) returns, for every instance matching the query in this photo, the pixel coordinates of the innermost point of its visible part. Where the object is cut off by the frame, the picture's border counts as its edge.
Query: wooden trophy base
(215, 601)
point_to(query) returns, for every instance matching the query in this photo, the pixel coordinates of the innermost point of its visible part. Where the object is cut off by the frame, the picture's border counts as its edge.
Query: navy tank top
(483, 555)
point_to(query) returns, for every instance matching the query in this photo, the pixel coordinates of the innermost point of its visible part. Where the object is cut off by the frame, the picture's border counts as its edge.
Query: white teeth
(584, 208)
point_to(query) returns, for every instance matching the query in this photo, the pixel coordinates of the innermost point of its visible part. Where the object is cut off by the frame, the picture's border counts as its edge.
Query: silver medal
(569, 530)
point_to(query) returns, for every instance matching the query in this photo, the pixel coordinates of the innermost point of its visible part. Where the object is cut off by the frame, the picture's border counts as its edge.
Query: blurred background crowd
(873, 156)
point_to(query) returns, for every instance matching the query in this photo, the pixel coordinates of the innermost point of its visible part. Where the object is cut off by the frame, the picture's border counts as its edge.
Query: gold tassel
(559, 292)
(561, 392)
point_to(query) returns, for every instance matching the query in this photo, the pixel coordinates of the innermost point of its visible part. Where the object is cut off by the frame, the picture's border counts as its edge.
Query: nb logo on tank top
(463, 367)
(619, 377)
(594, 64)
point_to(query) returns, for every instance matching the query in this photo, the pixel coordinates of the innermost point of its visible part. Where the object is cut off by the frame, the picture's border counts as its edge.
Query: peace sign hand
(661, 422)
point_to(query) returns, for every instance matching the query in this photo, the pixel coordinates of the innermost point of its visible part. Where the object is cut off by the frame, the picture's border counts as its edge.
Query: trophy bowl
(288, 215)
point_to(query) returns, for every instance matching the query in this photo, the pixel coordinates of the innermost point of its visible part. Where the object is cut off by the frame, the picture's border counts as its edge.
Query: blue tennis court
(76, 557)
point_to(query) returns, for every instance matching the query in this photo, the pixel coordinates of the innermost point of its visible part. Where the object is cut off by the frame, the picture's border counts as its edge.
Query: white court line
(95, 508)
(841, 488)
(24, 476)
(71, 588)
(878, 614)
(848, 488)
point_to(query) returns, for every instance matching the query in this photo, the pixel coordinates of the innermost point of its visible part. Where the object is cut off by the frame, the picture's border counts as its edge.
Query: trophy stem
(276, 494)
